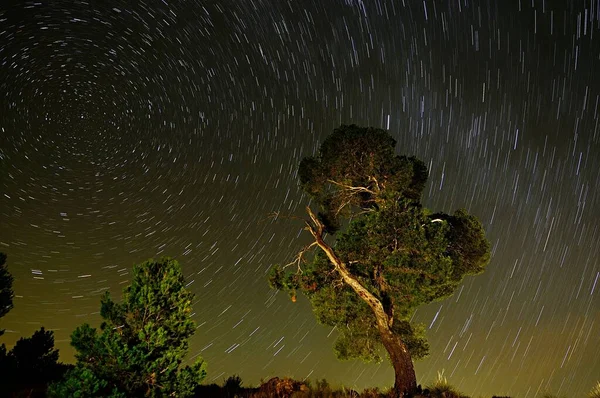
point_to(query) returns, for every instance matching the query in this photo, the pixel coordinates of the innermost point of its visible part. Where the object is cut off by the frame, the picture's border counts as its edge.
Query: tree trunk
(405, 381)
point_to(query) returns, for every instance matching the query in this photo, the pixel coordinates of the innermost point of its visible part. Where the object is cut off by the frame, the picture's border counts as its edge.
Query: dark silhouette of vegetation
(282, 388)
(285, 387)
(232, 388)
(6, 290)
(142, 342)
(30, 365)
(390, 254)
(233, 385)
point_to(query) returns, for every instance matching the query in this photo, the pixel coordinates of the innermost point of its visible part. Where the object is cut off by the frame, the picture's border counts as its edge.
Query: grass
(595, 392)
(442, 389)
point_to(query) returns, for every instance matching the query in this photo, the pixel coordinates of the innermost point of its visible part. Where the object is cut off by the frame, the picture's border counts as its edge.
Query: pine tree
(142, 342)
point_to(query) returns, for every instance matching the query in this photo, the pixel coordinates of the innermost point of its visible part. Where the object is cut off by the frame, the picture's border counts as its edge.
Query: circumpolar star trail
(131, 130)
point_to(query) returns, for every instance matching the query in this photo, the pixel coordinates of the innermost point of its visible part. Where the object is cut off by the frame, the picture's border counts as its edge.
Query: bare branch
(382, 318)
(351, 188)
(318, 233)
(342, 207)
(371, 178)
(339, 282)
(299, 258)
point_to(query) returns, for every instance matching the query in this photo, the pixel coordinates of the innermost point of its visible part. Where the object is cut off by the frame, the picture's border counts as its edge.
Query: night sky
(131, 130)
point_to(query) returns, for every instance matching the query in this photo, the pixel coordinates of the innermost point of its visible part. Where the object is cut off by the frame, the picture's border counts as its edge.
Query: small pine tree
(142, 342)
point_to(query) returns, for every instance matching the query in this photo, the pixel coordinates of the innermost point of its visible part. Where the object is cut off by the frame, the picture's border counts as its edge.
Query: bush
(233, 385)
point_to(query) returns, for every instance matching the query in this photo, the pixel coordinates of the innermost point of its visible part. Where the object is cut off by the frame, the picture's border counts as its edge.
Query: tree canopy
(32, 362)
(390, 254)
(142, 341)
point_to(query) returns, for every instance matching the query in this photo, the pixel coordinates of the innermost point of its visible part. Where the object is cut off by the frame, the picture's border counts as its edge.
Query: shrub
(442, 389)
(233, 384)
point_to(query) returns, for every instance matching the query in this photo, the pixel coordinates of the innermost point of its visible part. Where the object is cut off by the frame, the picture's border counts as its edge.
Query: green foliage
(142, 341)
(33, 361)
(468, 248)
(6, 290)
(81, 382)
(403, 253)
(358, 157)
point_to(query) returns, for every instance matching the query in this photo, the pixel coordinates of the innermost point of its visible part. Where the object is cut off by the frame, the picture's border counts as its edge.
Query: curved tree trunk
(405, 382)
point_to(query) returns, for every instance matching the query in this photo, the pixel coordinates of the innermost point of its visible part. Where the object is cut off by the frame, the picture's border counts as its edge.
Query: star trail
(131, 130)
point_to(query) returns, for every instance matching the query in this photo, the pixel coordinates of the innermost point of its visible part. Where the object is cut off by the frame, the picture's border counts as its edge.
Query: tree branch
(317, 228)
(300, 257)
(351, 188)
(342, 207)
(371, 178)
(383, 320)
